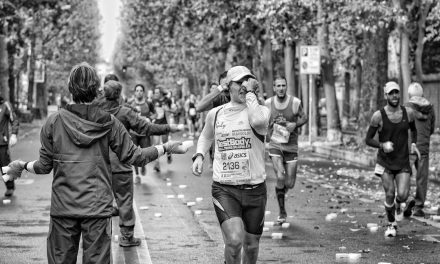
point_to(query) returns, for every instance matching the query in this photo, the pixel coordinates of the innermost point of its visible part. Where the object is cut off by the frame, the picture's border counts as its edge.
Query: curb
(332, 152)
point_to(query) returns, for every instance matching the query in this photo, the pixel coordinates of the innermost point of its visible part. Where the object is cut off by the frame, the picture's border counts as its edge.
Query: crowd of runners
(101, 135)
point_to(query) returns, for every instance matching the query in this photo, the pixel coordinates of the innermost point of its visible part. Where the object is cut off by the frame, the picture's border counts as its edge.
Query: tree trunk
(357, 89)
(11, 80)
(314, 116)
(41, 100)
(404, 64)
(289, 64)
(267, 68)
(31, 72)
(346, 101)
(370, 86)
(4, 74)
(230, 56)
(334, 133)
(421, 26)
(381, 40)
(305, 99)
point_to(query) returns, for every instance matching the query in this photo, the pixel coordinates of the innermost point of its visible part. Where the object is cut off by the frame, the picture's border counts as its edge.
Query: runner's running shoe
(391, 230)
(9, 192)
(407, 212)
(282, 218)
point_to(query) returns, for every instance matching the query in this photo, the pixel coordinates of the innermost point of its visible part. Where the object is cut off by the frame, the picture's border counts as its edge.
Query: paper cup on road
(198, 212)
(277, 235)
(265, 229)
(189, 204)
(199, 199)
(6, 201)
(144, 208)
(374, 229)
(285, 225)
(180, 196)
(157, 214)
(182, 186)
(269, 223)
(330, 217)
(171, 196)
(267, 213)
(169, 184)
(116, 238)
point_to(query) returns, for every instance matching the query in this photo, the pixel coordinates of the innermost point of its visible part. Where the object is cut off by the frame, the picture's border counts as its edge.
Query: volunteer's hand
(290, 126)
(174, 128)
(415, 150)
(174, 147)
(16, 167)
(197, 166)
(13, 140)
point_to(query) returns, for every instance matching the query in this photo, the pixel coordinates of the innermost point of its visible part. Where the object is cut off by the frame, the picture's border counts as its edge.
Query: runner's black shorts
(288, 157)
(241, 201)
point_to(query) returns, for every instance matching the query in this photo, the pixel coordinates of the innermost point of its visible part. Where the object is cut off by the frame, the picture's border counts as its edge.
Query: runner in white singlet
(237, 129)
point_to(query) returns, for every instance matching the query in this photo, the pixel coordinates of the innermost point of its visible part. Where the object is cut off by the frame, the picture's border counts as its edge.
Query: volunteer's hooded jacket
(131, 120)
(425, 121)
(75, 143)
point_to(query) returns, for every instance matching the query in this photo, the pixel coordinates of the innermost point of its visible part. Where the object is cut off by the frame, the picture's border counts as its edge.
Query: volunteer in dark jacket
(7, 117)
(425, 124)
(75, 144)
(123, 173)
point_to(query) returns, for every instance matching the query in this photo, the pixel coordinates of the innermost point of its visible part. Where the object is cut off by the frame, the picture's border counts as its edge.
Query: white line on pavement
(142, 251)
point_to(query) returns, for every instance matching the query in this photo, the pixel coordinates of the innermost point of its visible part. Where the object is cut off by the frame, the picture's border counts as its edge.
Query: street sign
(310, 58)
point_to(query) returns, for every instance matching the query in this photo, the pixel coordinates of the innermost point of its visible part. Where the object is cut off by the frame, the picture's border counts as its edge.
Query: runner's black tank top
(398, 134)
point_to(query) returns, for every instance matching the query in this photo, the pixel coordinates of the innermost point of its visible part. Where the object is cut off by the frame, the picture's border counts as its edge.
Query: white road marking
(142, 251)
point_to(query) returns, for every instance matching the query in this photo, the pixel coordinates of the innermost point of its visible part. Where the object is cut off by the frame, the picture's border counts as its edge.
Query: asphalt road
(178, 225)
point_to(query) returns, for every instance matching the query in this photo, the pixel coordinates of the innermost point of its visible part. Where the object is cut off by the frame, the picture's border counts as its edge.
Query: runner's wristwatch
(194, 157)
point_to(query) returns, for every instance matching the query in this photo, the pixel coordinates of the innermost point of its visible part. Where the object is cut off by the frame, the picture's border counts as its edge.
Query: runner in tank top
(239, 191)
(392, 124)
(286, 116)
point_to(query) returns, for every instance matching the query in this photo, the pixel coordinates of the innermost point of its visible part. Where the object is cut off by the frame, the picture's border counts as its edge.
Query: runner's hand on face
(197, 166)
(251, 85)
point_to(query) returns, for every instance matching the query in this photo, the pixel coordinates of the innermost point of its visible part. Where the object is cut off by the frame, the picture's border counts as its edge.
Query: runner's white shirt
(239, 141)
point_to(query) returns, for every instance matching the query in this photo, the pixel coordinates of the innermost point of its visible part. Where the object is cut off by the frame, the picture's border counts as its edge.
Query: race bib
(280, 134)
(234, 167)
(192, 112)
(379, 169)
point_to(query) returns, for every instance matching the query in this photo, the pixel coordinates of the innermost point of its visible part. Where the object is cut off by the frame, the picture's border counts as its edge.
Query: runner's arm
(412, 124)
(141, 126)
(372, 129)
(302, 117)
(207, 136)
(258, 114)
(205, 103)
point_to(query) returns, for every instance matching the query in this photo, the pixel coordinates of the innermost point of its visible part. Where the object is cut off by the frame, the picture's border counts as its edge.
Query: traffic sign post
(310, 63)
